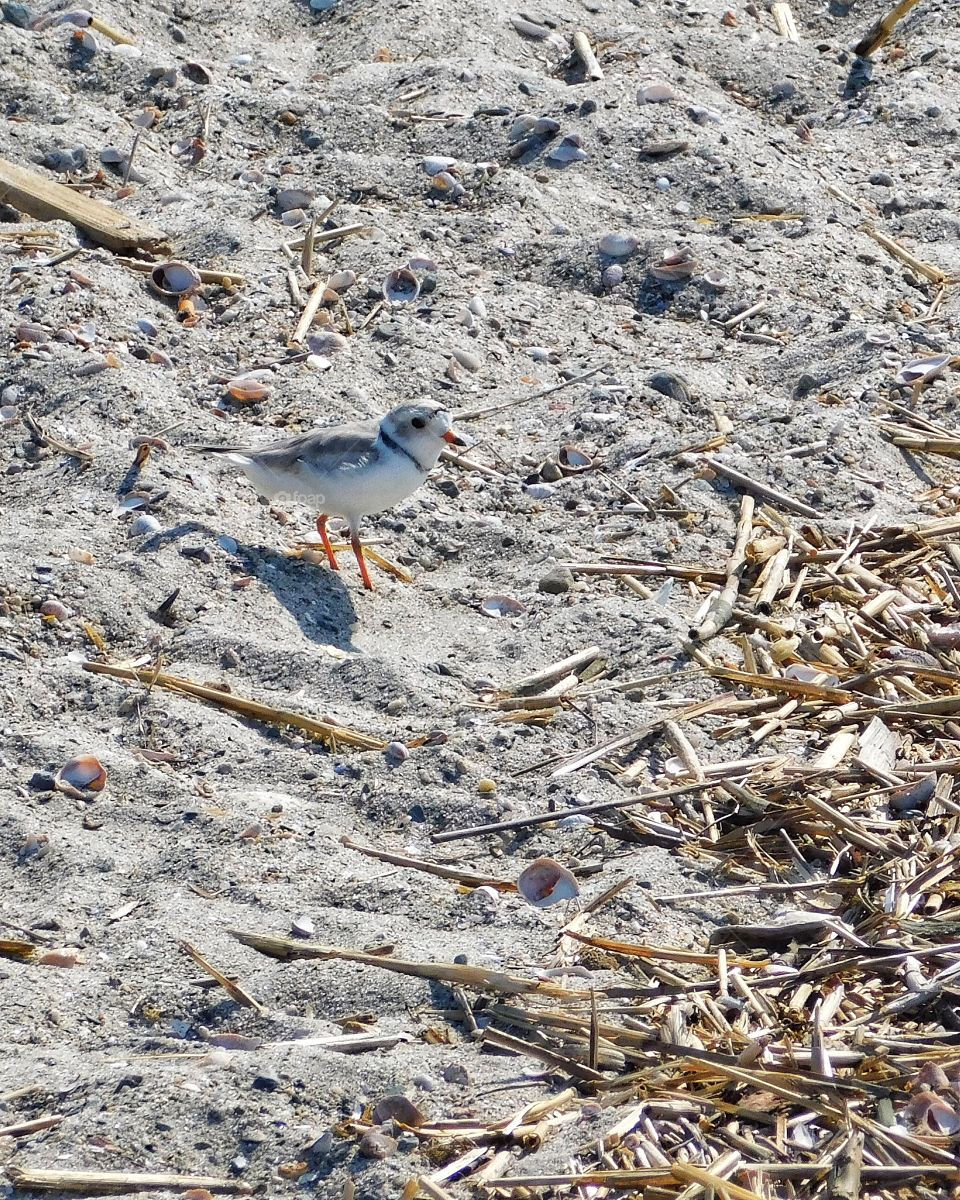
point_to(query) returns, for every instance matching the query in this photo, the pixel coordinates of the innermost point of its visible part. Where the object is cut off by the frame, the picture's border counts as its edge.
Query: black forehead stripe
(392, 444)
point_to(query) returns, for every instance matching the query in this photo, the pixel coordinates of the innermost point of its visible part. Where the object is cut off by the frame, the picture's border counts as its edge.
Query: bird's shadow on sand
(316, 597)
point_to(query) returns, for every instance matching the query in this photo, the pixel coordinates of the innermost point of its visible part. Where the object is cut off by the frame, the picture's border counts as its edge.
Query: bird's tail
(197, 449)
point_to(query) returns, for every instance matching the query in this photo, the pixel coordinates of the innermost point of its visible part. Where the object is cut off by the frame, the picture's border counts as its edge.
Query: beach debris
(618, 244)
(174, 278)
(678, 264)
(656, 93)
(105, 1183)
(85, 773)
(545, 882)
(329, 732)
(923, 370)
(584, 51)
(399, 1108)
(401, 287)
(878, 33)
(501, 606)
(250, 388)
(569, 150)
(46, 200)
(230, 986)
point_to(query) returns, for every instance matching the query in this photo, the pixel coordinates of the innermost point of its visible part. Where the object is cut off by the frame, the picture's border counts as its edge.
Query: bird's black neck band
(392, 444)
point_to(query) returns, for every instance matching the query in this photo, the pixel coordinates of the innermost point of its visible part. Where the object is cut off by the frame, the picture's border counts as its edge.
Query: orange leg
(358, 551)
(325, 538)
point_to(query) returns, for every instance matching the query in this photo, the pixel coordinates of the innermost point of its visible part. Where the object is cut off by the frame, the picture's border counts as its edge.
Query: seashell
(251, 177)
(478, 307)
(248, 389)
(58, 958)
(294, 218)
(30, 331)
(878, 337)
(8, 414)
(196, 72)
(174, 278)
(716, 280)
(932, 1076)
(131, 502)
(401, 287)
(808, 674)
(929, 1113)
(55, 609)
(341, 281)
(291, 198)
(328, 342)
(501, 606)
(77, 555)
(612, 276)
(573, 460)
(147, 327)
(420, 262)
(400, 1109)
(922, 370)
(570, 150)
(145, 524)
(680, 265)
(545, 882)
(470, 362)
(618, 244)
(656, 93)
(83, 773)
(435, 164)
(376, 1144)
(450, 186)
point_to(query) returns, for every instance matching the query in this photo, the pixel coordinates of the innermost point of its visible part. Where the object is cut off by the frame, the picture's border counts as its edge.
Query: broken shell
(8, 414)
(612, 276)
(501, 606)
(573, 460)
(55, 609)
(84, 773)
(716, 280)
(680, 265)
(327, 343)
(470, 362)
(145, 524)
(570, 150)
(401, 287)
(478, 307)
(420, 262)
(618, 245)
(656, 93)
(922, 370)
(545, 882)
(75, 554)
(435, 164)
(398, 1108)
(340, 281)
(930, 1113)
(291, 198)
(449, 185)
(248, 389)
(174, 278)
(377, 1144)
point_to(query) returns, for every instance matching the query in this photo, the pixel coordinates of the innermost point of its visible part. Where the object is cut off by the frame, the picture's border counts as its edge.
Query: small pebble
(377, 1145)
(486, 787)
(556, 581)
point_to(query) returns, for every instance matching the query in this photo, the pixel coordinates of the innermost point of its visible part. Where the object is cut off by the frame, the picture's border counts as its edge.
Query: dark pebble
(669, 384)
(41, 781)
(266, 1081)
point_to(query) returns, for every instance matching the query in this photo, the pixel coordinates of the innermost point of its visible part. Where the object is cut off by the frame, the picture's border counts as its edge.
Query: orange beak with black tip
(453, 438)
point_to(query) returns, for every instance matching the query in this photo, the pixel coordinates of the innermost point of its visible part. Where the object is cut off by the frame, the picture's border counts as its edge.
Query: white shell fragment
(922, 370)
(570, 150)
(545, 882)
(618, 244)
(434, 164)
(656, 93)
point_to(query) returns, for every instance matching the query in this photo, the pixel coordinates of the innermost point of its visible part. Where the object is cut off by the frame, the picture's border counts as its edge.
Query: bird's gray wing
(339, 448)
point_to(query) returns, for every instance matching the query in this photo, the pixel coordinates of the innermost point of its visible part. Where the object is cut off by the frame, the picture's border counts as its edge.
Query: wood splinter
(721, 607)
(583, 51)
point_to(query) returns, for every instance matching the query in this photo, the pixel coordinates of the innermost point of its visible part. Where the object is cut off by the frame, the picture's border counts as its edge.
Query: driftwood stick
(583, 50)
(101, 1183)
(47, 200)
(474, 414)
(467, 878)
(927, 270)
(761, 489)
(321, 236)
(314, 300)
(582, 810)
(233, 989)
(783, 19)
(559, 670)
(721, 609)
(878, 33)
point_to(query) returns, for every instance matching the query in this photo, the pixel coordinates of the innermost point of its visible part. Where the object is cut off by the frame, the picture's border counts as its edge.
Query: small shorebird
(350, 470)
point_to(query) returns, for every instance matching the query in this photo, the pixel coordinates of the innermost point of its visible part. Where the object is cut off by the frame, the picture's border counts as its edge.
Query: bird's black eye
(418, 423)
